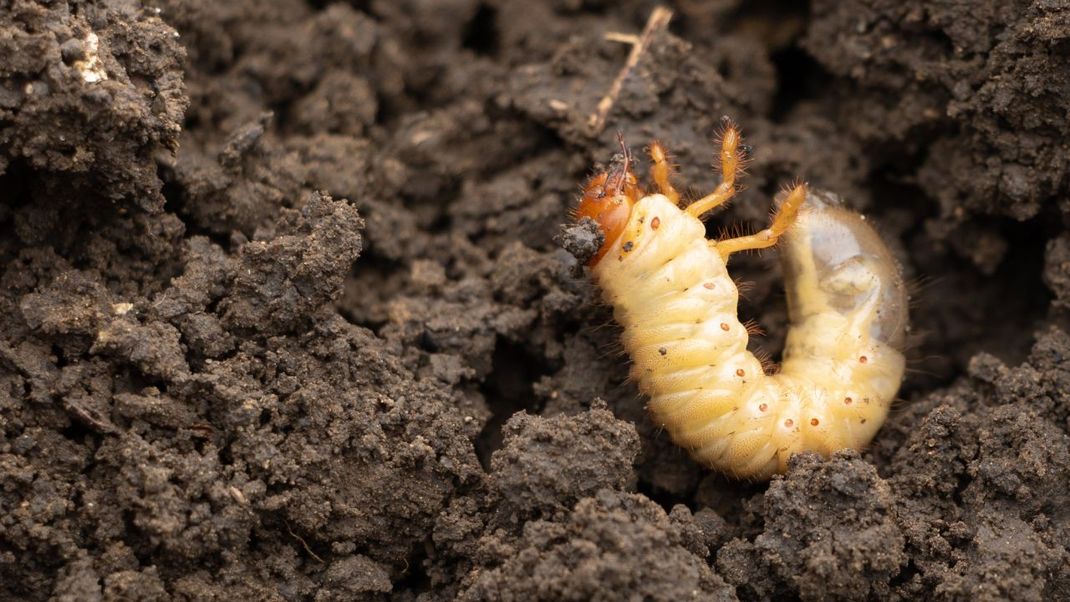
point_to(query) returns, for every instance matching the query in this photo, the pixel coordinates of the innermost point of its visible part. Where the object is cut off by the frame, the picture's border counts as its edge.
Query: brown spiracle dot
(740, 372)
(663, 351)
(628, 246)
(814, 422)
(763, 407)
(724, 326)
(789, 423)
(863, 359)
(847, 400)
(655, 223)
(708, 285)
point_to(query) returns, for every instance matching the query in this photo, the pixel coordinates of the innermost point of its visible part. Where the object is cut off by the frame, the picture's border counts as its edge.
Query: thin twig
(658, 20)
(303, 542)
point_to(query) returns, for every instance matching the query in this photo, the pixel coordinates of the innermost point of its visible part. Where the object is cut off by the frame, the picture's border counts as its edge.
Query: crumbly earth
(287, 311)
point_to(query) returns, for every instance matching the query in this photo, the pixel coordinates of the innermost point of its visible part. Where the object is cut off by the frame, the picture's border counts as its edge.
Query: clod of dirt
(547, 464)
(353, 577)
(1057, 270)
(982, 478)
(73, 303)
(342, 103)
(153, 348)
(582, 239)
(612, 546)
(830, 531)
(279, 282)
(978, 92)
(91, 95)
(240, 184)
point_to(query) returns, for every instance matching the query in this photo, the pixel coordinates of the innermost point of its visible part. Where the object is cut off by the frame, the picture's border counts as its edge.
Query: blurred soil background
(282, 314)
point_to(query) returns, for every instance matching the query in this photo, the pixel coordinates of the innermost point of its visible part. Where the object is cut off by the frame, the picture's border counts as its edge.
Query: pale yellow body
(672, 293)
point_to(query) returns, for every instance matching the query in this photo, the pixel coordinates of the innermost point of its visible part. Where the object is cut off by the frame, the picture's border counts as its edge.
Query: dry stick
(659, 19)
(303, 542)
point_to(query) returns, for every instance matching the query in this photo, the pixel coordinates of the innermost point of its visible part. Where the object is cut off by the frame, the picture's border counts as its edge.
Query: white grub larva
(671, 292)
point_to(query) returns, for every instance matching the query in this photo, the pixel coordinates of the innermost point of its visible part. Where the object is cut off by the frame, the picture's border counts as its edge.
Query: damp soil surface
(285, 312)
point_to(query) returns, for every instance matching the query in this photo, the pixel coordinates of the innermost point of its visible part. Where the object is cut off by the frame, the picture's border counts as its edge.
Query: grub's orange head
(608, 198)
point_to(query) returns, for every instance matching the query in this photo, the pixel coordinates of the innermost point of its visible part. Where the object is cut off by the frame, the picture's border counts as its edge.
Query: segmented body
(671, 291)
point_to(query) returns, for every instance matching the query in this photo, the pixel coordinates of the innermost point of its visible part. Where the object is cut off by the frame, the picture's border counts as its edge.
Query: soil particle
(582, 239)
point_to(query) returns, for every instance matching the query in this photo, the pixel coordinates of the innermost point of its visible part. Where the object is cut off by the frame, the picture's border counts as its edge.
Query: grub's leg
(731, 162)
(662, 171)
(785, 216)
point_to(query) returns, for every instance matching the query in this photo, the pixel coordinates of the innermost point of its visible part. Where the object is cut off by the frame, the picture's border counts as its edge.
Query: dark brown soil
(285, 312)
